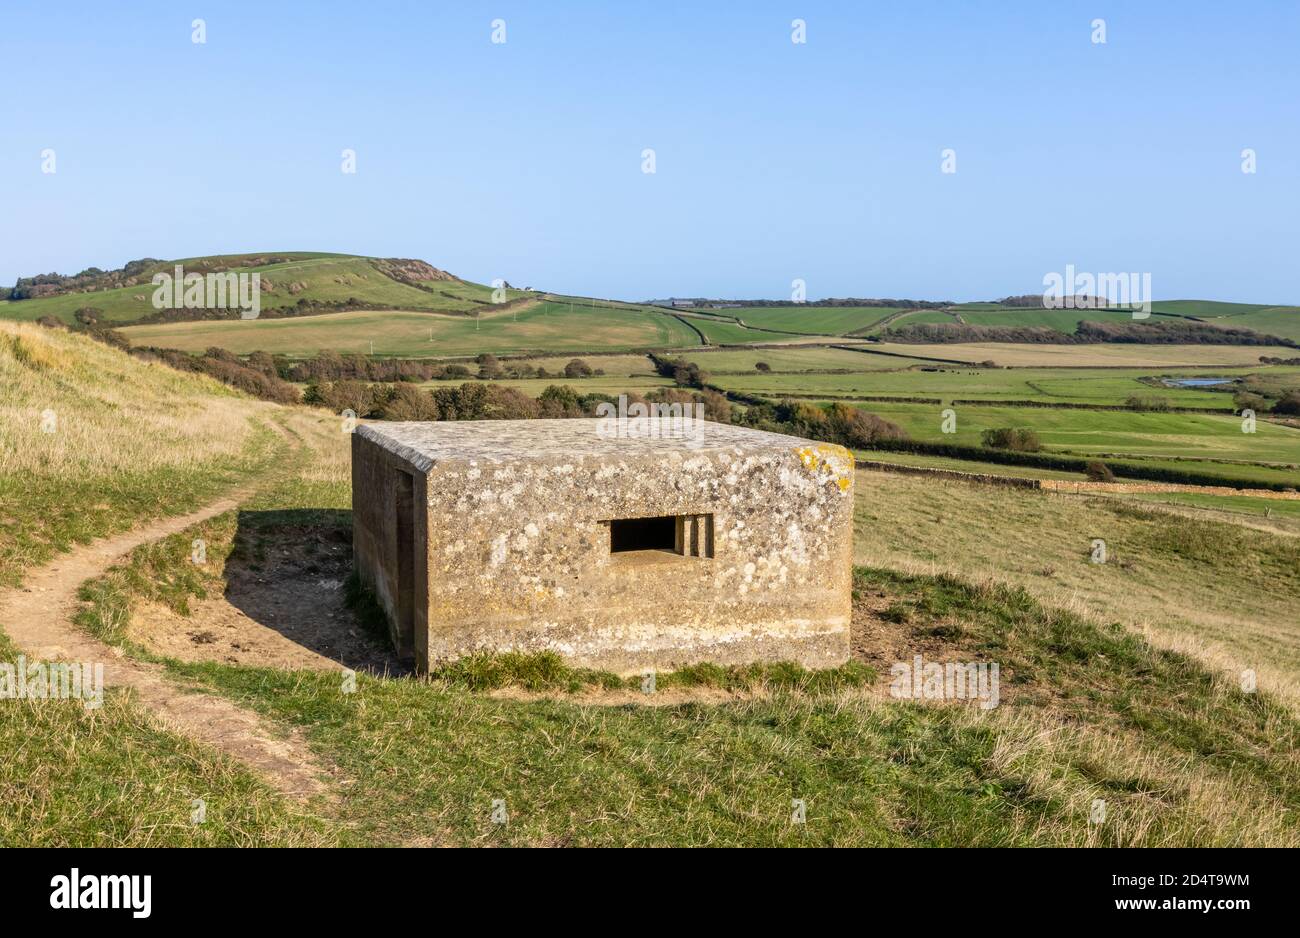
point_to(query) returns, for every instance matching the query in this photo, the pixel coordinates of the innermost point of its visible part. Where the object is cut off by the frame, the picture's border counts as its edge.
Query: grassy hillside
(315, 278)
(127, 441)
(1226, 593)
(92, 441)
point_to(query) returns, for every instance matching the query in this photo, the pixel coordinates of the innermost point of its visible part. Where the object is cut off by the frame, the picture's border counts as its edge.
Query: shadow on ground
(283, 605)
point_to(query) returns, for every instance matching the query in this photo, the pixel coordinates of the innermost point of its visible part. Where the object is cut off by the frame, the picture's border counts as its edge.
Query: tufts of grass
(547, 671)
(113, 777)
(162, 571)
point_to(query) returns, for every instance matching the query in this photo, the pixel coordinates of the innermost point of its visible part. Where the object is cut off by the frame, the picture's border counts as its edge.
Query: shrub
(1245, 400)
(1019, 439)
(406, 402)
(1289, 404)
(1098, 471)
(763, 367)
(560, 401)
(1137, 402)
(339, 396)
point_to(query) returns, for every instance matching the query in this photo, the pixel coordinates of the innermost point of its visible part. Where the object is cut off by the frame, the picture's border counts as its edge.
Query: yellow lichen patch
(833, 460)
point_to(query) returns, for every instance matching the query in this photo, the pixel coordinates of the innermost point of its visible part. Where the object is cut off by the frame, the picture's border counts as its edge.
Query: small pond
(1196, 382)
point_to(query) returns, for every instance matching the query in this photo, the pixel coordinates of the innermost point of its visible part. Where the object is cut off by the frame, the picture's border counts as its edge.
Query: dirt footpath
(38, 617)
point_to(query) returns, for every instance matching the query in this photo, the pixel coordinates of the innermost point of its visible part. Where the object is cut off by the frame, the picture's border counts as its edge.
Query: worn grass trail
(38, 617)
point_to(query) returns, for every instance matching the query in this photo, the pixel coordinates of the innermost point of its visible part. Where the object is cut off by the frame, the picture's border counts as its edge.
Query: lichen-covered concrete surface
(513, 543)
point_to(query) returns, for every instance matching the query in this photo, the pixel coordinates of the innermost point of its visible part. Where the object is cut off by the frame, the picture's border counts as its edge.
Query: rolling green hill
(287, 280)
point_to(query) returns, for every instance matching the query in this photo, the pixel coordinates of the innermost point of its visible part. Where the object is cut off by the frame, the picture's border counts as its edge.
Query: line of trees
(487, 401)
(1179, 332)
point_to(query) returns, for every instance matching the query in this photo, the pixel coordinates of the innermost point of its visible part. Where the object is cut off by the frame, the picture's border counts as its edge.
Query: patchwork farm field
(1012, 355)
(544, 326)
(1048, 385)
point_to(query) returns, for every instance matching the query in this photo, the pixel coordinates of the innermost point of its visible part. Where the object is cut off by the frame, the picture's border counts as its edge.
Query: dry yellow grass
(93, 441)
(1226, 593)
(1188, 801)
(70, 407)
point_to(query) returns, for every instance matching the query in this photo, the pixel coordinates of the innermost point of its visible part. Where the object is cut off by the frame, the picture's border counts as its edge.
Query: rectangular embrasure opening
(626, 534)
(684, 535)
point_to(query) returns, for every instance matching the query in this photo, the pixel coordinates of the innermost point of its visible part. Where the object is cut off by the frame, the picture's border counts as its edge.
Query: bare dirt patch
(882, 634)
(886, 631)
(283, 607)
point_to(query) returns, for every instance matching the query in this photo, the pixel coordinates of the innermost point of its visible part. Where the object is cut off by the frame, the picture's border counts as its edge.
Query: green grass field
(925, 461)
(1205, 309)
(601, 384)
(1206, 587)
(1062, 320)
(1089, 432)
(820, 320)
(918, 317)
(1285, 514)
(1283, 321)
(546, 326)
(726, 332)
(742, 362)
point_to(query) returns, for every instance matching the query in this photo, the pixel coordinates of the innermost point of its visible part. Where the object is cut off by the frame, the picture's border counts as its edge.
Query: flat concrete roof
(424, 443)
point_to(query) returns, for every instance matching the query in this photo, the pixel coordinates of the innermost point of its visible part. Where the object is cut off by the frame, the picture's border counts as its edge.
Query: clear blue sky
(774, 160)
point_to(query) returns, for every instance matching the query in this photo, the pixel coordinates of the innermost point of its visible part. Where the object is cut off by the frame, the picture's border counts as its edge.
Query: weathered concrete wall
(377, 519)
(518, 547)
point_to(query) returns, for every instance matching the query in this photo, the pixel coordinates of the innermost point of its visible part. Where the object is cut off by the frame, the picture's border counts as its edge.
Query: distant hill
(291, 282)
